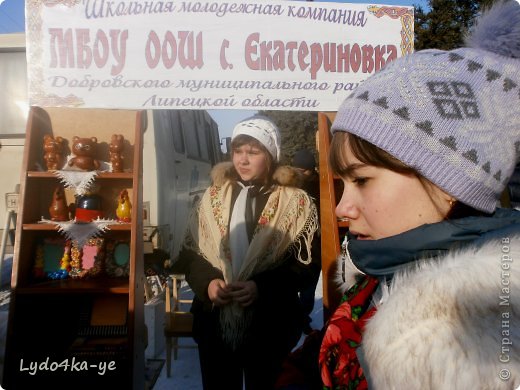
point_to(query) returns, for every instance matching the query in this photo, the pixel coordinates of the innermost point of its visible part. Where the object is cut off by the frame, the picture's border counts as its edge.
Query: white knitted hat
(263, 130)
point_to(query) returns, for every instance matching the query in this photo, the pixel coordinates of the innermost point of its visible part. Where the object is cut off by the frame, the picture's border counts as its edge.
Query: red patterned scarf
(339, 365)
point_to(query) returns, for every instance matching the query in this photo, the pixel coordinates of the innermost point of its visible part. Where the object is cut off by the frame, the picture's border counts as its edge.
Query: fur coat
(284, 175)
(449, 324)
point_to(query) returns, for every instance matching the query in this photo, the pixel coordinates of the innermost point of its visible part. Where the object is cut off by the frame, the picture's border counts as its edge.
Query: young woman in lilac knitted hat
(431, 263)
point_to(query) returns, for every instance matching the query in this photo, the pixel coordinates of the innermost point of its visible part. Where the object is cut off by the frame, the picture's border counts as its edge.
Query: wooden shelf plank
(50, 226)
(67, 286)
(101, 175)
(39, 226)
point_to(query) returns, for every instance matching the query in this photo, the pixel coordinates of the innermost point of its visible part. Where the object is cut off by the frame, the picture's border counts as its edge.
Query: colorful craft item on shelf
(58, 209)
(117, 258)
(88, 259)
(52, 259)
(116, 152)
(53, 151)
(65, 260)
(124, 207)
(84, 150)
(61, 274)
(75, 264)
(88, 208)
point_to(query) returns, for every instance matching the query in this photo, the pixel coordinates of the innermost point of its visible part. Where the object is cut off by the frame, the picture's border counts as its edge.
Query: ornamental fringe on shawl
(288, 222)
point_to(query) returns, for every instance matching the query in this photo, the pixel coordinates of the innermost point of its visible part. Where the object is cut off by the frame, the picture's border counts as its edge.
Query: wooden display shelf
(94, 285)
(58, 305)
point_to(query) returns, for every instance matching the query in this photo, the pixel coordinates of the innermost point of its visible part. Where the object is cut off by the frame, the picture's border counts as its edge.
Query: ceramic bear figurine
(53, 151)
(124, 207)
(84, 150)
(58, 209)
(116, 152)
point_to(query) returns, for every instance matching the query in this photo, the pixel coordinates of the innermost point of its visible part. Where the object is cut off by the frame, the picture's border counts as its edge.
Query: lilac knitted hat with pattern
(454, 115)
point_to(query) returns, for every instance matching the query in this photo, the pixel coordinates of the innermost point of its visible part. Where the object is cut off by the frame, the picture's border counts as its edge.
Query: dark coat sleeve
(199, 273)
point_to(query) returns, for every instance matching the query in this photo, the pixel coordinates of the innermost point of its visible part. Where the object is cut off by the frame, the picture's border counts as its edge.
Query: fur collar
(451, 323)
(284, 175)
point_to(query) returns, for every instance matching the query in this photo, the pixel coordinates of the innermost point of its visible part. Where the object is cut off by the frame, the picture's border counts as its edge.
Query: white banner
(273, 55)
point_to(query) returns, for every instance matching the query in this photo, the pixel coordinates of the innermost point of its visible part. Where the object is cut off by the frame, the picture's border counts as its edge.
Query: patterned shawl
(287, 222)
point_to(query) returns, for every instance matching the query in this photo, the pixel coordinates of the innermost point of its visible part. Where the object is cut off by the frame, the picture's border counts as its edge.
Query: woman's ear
(443, 200)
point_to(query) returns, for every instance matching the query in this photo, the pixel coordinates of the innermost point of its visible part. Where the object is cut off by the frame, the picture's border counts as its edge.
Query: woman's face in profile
(250, 162)
(380, 203)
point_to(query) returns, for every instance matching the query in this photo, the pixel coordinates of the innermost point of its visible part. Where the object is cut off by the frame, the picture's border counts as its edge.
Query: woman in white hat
(245, 256)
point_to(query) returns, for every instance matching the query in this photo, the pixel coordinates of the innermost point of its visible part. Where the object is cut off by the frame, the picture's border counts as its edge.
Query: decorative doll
(58, 209)
(116, 152)
(53, 151)
(88, 208)
(124, 207)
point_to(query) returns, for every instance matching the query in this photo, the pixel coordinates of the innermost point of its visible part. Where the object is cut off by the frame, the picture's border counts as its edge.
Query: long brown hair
(372, 155)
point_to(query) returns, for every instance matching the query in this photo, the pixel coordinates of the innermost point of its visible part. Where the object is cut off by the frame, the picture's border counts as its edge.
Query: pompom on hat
(263, 130)
(454, 115)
